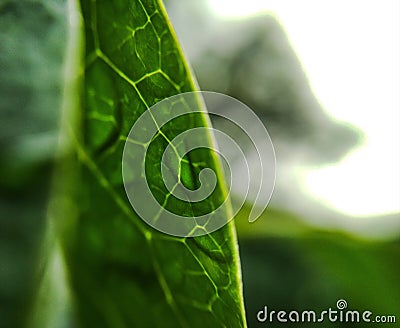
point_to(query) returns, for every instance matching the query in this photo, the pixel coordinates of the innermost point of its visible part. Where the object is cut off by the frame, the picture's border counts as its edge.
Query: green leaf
(123, 273)
(31, 82)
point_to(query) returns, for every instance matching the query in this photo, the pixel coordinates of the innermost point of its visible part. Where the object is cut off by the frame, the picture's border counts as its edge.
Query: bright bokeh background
(350, 53)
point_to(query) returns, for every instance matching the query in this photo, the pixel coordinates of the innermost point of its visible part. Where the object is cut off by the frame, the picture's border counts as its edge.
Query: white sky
(350, 52)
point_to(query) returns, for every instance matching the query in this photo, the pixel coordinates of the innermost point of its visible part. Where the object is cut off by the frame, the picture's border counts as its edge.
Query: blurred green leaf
(288, 264)
(315, 270)
(32, 38)
(124, 273)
